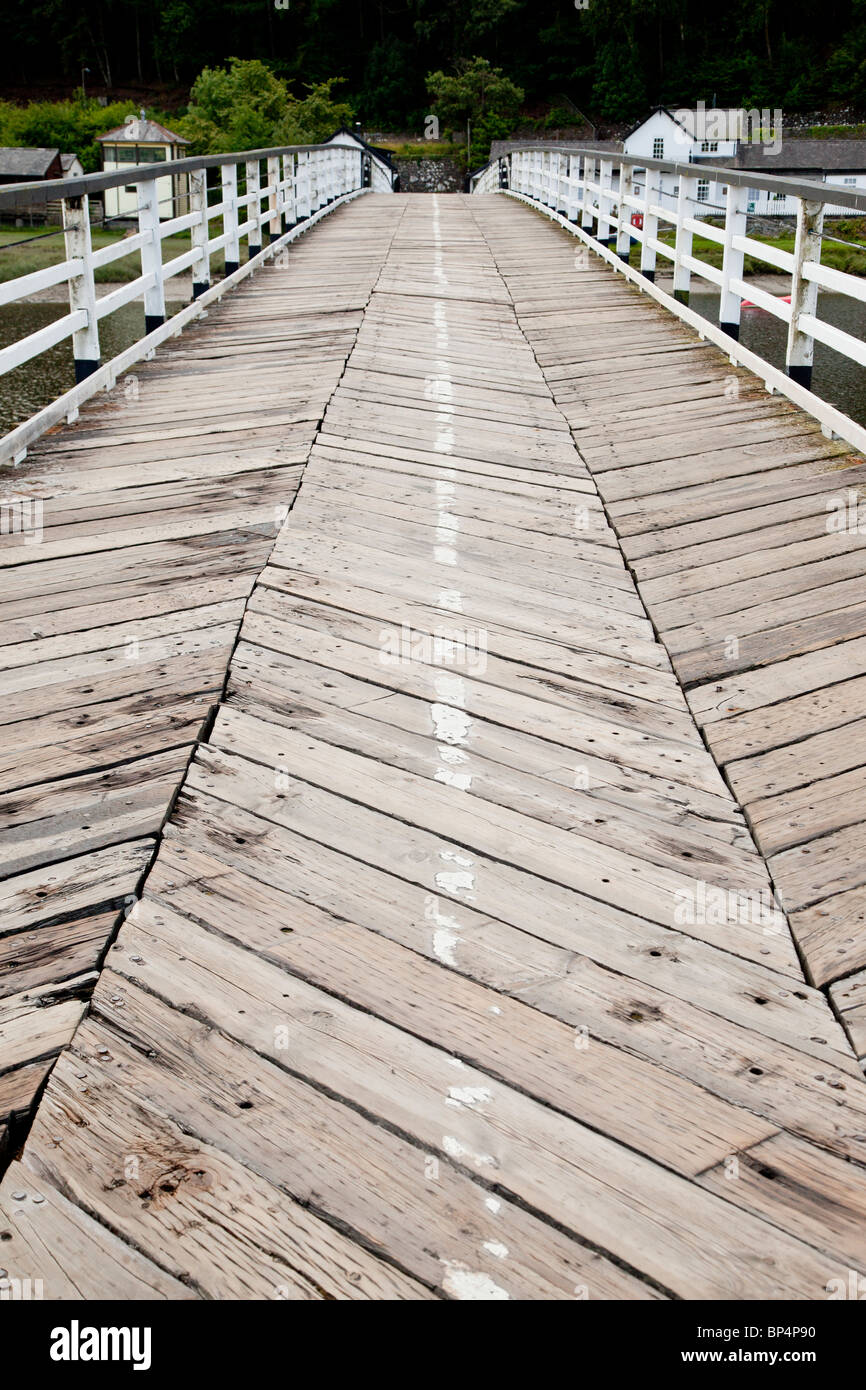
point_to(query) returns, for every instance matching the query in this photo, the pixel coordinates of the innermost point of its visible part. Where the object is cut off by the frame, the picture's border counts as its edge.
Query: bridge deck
(426, 990)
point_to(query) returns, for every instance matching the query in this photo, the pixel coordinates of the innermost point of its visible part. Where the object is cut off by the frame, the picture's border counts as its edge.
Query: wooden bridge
(433, 799)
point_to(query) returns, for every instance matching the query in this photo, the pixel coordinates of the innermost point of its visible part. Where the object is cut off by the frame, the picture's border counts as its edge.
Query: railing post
(254, 209)
(804, 293)
(82, 289)
(302, 187)
(229, 181)
(732, 259)
(626, 189)
(290, 216)
(605, 202)
(151, 254)
(570, 200)
(200, 231)
(586, 215)
(274, 221)
(650, 225)
(686, 198)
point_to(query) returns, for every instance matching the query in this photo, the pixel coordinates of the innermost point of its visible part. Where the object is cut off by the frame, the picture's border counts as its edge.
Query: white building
(745, 141)
(688, 137)
(140, 141)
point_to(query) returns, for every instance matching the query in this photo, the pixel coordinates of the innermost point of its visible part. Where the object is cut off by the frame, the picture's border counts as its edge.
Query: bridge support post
(229, 181)
(200, 231)
(623, 223)
(82, 289)
(254, 209)
(686, 199)
(804, 293)
(732, 259)
(151, 254)
(650, 225)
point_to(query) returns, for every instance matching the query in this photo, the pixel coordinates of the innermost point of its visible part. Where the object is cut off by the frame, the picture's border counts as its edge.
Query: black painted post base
(231, 267)
(681, 296)
(253, 251)
(624, 256)
(152, 322)
(199, 288)
(802, 375)
(649, 275)
(732, 330)
(85, 367)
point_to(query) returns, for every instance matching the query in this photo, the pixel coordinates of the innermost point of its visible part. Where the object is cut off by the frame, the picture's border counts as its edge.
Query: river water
(835, 378)
(35, 384)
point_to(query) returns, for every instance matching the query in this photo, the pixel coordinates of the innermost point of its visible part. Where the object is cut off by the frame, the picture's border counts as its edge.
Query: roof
(663, 110)
(67, 161)
(26, 163)
(140, 131)
(824, 155)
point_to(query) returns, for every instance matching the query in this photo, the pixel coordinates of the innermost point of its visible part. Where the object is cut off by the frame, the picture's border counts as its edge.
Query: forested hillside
(612, 58)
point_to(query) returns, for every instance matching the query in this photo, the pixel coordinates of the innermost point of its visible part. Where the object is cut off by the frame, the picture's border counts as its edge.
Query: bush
(71, 126)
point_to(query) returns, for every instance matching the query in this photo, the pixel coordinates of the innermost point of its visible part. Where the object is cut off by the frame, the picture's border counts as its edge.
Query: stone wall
(430, 175)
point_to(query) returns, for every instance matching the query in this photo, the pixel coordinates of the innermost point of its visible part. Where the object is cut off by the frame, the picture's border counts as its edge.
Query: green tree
(313, 118)
(480, 94)
(246, 107)
(234, 108)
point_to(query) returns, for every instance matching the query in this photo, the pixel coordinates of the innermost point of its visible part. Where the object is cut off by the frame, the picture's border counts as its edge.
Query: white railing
(609, 202)
(284, 192)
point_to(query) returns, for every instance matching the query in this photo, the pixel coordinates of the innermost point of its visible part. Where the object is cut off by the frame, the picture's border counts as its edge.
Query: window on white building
(658, 148)
(709, 146)
(703, 190)
(852, 183)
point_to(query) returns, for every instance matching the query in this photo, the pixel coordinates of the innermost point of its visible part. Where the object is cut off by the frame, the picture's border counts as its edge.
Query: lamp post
(83, 90)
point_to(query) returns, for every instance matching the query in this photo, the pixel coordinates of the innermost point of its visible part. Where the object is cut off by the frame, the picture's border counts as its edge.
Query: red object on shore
(637, 220)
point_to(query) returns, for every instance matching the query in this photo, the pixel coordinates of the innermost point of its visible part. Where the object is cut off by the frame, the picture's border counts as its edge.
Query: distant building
(72, 166)
(25, 166)
(723, 137)
(140, 141)
(28, 166)
(839, 162)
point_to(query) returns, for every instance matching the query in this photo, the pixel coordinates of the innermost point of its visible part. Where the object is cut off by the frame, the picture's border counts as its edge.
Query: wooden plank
(515, 1066)
(50, 1239)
